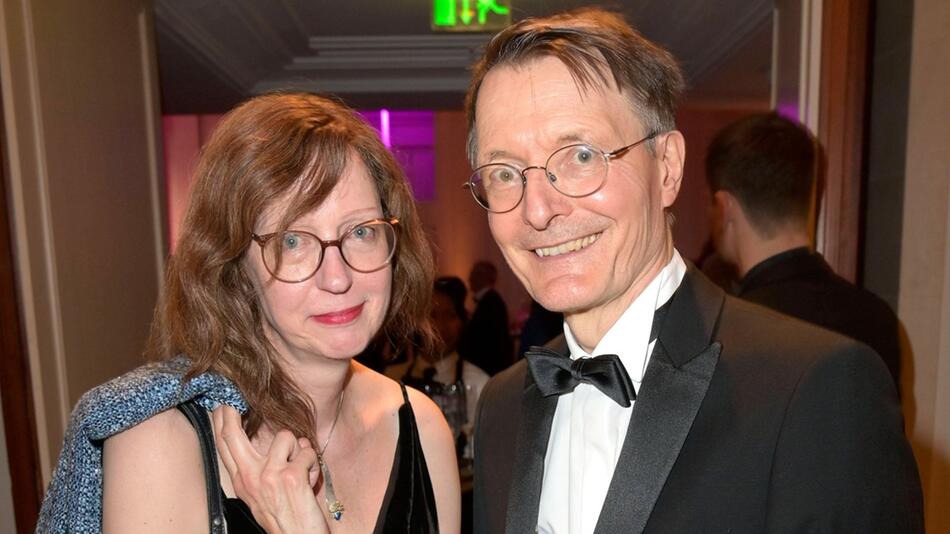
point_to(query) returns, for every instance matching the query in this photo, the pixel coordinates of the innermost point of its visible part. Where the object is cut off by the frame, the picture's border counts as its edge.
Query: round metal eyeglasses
(575, 170)
(294, 256)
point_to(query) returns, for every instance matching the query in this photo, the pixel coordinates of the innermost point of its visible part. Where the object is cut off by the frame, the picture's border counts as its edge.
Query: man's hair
(597, 47)
(768, 163)
(287, 152)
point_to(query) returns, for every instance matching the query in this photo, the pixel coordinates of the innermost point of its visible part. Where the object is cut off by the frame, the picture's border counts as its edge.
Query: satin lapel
(673, 389)
(531, 446)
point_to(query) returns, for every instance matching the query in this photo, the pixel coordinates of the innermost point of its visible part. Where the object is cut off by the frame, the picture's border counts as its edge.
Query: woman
(301, 243)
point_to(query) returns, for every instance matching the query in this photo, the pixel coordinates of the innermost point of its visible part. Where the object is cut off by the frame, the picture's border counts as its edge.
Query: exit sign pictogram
(470, 15)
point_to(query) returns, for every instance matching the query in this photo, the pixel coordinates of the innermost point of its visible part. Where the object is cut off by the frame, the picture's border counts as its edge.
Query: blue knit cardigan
(73, 501)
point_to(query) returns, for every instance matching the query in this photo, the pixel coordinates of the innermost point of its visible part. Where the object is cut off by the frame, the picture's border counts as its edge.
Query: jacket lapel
(673, 389)
(537, 413)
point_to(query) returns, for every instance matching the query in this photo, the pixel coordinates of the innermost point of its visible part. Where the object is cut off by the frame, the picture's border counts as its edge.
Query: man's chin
(564, 296)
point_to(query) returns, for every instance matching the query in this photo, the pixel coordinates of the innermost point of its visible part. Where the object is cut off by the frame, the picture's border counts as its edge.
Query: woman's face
(335, 313)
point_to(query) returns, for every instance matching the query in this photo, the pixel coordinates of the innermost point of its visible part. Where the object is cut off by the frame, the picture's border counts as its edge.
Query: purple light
(384, 127)
(409, 134)
(789, 110)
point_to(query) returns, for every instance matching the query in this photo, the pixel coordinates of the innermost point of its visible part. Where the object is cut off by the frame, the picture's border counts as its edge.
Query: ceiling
(382, 53)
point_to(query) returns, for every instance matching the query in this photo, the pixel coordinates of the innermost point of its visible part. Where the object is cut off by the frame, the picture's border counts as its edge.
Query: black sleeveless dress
(408, 506)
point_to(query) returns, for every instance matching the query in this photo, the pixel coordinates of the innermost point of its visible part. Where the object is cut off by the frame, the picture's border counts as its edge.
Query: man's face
(576, 254)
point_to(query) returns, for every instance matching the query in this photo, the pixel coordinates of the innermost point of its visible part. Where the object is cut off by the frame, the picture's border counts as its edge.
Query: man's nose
(542, 202)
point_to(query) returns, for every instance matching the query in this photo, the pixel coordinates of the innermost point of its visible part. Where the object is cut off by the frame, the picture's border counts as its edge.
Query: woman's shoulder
(129, 399)
(386, 395)
(153, 476)
(159, 434)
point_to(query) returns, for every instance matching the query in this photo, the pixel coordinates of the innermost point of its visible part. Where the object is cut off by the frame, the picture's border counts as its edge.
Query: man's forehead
(544, 99)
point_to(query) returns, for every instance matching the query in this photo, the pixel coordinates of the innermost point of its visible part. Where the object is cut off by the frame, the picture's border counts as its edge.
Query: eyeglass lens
(295, 256)
(574, 170)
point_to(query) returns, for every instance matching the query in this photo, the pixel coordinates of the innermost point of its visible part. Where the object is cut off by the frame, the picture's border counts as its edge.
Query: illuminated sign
(470, 15)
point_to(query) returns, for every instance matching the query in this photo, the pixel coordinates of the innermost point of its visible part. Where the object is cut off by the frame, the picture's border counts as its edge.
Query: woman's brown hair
(279, 146)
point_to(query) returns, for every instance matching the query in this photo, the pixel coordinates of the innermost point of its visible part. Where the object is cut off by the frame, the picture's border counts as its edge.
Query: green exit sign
(470, 15)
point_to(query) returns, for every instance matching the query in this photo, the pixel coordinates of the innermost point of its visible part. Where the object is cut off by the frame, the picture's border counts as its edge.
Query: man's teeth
(564, 248)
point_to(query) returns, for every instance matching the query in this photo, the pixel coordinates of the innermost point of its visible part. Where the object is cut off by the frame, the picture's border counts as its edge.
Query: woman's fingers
(313, 474)
(276, 486)
(217, 420)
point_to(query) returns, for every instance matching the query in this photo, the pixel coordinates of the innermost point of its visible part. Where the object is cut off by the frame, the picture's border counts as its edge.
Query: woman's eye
(363, 232)
(291, 241)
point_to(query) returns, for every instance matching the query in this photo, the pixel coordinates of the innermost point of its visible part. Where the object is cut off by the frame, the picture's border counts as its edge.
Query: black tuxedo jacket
(800, 283)
(746, 421)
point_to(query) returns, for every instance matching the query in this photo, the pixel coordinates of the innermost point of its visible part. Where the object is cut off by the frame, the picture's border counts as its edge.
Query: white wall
(80, 104)
(924, 302)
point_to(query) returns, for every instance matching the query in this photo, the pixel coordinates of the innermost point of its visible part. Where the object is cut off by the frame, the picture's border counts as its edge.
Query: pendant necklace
(334, 505)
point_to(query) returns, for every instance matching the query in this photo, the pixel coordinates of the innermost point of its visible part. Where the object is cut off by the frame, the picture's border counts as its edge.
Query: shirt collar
(629, 336)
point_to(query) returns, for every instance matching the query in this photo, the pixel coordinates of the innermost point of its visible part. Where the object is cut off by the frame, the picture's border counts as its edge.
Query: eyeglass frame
(262, 241)
(608, 156)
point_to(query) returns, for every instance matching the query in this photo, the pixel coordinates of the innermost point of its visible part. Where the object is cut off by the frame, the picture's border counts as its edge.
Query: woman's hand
(278, 487)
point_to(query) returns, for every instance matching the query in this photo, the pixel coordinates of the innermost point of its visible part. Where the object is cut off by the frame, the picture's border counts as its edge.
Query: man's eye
(583, 155)
(503, 175)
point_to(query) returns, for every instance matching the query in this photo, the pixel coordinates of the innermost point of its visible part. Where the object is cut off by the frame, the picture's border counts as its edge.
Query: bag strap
(198, 417)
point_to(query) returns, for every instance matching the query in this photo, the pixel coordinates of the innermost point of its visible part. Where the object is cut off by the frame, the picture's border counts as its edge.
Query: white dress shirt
(589, 428)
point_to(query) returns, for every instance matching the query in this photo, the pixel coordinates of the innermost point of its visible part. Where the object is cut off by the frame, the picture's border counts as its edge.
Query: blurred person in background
(486, 340)
(762, 170)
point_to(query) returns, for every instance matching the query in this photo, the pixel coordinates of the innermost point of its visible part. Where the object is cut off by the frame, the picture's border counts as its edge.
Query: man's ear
(725, 206)
(671, 158)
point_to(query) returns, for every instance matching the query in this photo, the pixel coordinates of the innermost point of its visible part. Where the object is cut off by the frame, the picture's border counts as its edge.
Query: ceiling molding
(368, 47)
(187, 31)
(259, 27)
(375, 85)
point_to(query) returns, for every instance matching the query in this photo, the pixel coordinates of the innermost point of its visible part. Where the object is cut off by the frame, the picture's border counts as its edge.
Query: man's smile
(569, 246)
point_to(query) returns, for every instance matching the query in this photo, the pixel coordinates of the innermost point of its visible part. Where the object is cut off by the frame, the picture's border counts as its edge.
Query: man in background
(486, 341)
(762, 171)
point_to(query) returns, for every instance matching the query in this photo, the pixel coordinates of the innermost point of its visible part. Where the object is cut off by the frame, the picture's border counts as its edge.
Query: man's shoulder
(761, 338)
(507, 384)
(745, 323)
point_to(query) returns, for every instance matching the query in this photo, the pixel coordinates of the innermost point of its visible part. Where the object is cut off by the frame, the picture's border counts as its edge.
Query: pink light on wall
(410, 137)
(384, 127)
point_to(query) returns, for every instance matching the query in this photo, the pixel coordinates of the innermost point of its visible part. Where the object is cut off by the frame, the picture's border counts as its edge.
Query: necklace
(334, 505)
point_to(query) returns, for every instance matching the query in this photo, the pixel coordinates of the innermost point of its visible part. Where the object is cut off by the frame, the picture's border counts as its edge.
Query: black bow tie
(556, 374)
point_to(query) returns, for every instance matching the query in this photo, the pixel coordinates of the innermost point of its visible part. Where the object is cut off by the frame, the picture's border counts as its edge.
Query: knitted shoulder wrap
(73, 501)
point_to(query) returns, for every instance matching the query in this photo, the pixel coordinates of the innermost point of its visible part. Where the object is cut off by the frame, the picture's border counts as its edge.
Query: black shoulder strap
(198, 417)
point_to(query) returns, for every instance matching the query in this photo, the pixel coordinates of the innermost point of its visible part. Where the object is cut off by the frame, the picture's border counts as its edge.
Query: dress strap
(405, 394)
(198, 417)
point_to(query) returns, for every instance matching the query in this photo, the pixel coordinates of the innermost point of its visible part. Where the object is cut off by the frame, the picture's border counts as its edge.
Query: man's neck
(757, 249)
(590, 326)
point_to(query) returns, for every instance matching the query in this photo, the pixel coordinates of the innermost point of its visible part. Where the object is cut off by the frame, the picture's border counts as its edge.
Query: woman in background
(301, 243)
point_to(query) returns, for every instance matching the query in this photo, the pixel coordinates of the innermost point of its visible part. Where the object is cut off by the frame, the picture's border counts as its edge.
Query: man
(761, 170)
(486, 341)
(698, 412)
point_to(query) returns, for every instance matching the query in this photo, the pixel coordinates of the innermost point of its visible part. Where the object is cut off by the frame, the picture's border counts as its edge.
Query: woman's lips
(340, 317)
